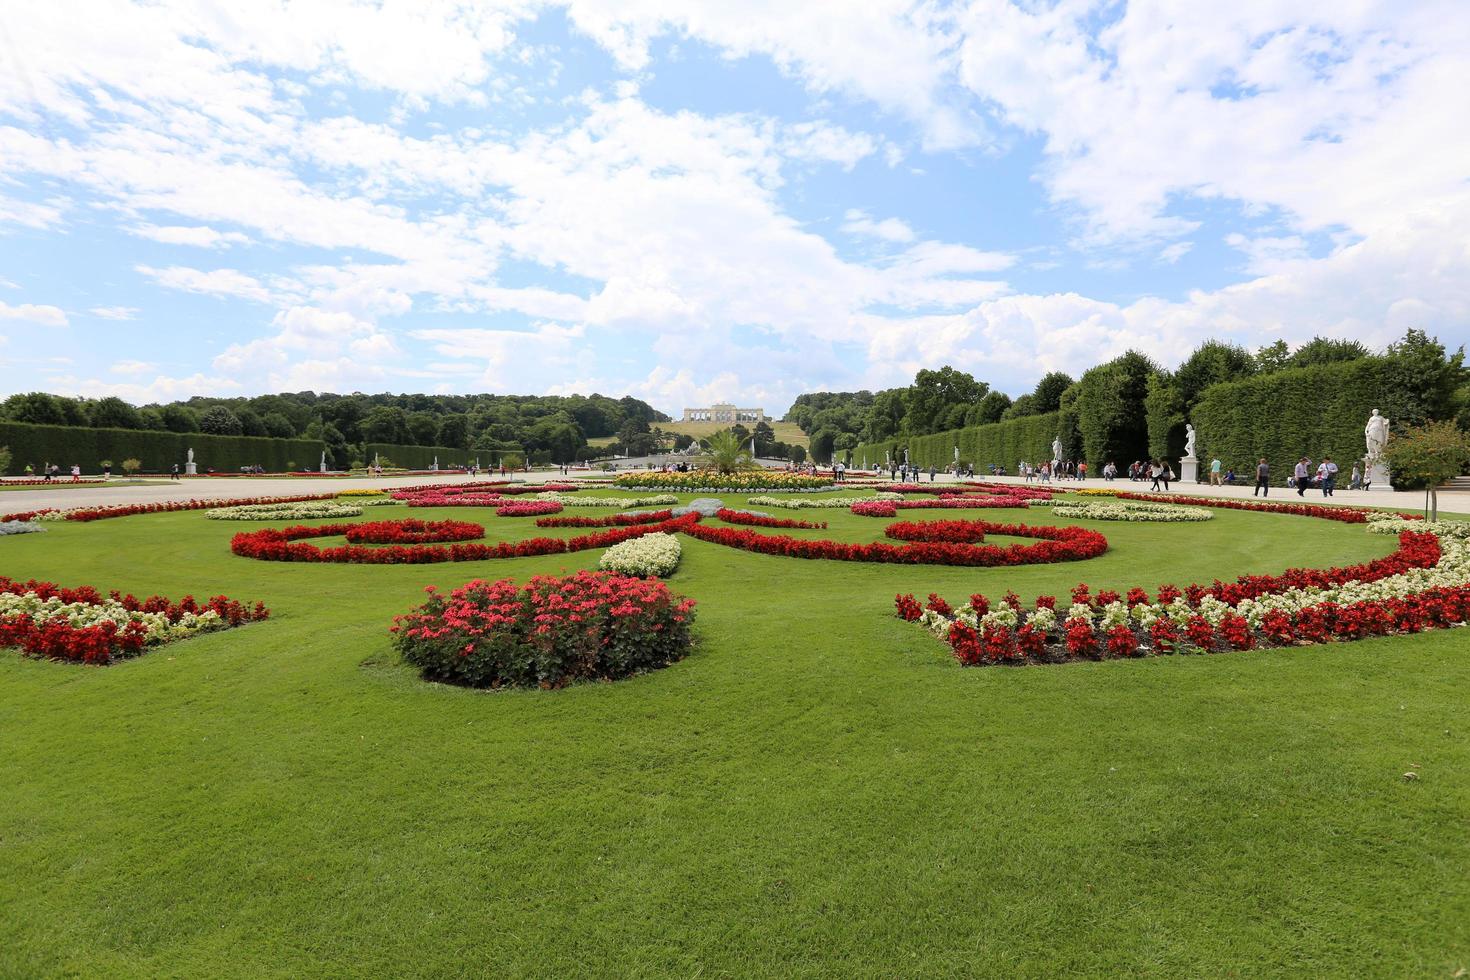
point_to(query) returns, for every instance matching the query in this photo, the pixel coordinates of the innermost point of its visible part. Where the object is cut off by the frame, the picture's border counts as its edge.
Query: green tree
(1164, 405)
(4, 460)
(422, 428)
(1020, 408)
(885, 417)
(1213, 362)
(113, 413)
(1325, 350)
(1422, 379)
(40, 408)
(1273, 357)
(385, 423)
(278, 426)
(454, 431)
(179, 418)
(219, 421)
(1047, 396)
(1428, 456)
(992, 408)
(938, 400)
(1111, 412)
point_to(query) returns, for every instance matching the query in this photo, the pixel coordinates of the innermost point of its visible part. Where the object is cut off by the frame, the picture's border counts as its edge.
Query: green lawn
(818, 791)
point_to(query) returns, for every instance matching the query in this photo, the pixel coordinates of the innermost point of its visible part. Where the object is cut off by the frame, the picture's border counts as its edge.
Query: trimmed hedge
(1312, 411)
(158, 451)
(417, 457)
(1003, 443)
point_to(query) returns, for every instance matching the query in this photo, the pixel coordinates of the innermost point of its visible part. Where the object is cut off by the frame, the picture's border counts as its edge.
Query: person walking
(174, 473)
(1167, 474)
(1215, 472)
(1357, 478)
(1300, 475)
(1263, 475)
(1155, 471)
(1329, 478)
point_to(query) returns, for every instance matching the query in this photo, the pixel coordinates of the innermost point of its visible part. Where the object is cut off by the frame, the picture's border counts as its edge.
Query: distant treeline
(546, 427)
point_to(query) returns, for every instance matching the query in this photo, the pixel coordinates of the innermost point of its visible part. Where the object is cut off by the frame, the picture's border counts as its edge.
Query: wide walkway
(219, 488)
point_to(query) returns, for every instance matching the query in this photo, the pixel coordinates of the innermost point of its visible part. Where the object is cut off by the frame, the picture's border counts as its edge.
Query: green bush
(1002, 443)
(1313, 411)
(156, 451)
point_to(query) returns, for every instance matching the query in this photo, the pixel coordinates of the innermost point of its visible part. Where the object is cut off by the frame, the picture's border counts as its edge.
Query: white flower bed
(81, 614)
(577, 500)
(650, 556)
(799, 504)
(1131, 510)
(305, 510)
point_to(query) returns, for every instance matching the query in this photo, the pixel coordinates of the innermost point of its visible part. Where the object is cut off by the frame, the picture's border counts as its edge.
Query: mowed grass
(819, 790)
(788, 432)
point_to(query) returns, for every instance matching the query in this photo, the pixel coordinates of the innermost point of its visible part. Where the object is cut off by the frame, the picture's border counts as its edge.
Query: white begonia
(799, 504)
(303, 510)
(649, 556)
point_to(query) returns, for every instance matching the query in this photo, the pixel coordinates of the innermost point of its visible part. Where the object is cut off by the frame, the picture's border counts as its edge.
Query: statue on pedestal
(1056, 450)
(1375, 433)
(189, 467)
(1188, 441)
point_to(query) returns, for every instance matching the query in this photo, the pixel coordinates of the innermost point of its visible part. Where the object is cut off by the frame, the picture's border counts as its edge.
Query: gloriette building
(724, 413)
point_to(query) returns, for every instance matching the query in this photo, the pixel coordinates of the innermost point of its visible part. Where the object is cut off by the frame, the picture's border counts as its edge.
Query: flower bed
(651, 556)
(271, 544)
(758, 520)
(945, 547)
(1347, 515)
(587, 626)
(1130, 510)
(709, 481)
(167, 507)
(82, 625)
(284, 512)
(58, 481)
(612, 520)
(1425, 584)
(890, 508)
(528, 508)
(410, 531)
(364, 492)
(657, 500)
(805, 504)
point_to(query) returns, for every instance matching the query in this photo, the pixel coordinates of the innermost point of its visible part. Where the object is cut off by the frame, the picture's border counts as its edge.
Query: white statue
(191, 451)
(1188, 440)
(1056, 449)
(1375, 433)
(956, 454)
(324, 462)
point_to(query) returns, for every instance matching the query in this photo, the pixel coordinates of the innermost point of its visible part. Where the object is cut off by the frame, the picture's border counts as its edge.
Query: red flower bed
(587, 626)
(1058, 544)
(757, 520)
(270, 544)
(410, 531)
(612, 520)
(530, 508)
(104, 642)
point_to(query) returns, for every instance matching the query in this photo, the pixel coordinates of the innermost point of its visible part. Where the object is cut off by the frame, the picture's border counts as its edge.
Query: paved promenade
(218, 488)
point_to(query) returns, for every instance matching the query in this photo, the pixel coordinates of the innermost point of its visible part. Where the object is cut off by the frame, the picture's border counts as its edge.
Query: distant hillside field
(785, 431)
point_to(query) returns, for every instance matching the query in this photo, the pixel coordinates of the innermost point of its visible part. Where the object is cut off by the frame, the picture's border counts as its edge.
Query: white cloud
(132, 367)
(200, 235)
(46, 316)
(216, 282)
(889, 229)
(1173, 253)
(114, 312)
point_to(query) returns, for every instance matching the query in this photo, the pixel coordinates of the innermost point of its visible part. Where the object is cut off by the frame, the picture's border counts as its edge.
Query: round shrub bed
(555, 630)
(412, 531)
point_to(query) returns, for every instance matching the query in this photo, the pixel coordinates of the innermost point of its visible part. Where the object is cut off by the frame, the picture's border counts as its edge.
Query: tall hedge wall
(65, 445)
(419, 457)
(1313, 411)
(1003, 443)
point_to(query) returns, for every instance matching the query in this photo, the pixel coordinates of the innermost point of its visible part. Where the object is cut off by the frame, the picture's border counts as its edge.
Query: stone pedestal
(191, 469)
(1377, 476)
(1189, 469)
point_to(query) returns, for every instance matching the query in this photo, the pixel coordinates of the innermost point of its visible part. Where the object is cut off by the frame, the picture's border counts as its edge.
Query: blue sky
(696, 201)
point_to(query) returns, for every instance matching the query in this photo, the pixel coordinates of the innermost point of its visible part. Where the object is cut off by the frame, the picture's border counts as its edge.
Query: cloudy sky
(696, 200)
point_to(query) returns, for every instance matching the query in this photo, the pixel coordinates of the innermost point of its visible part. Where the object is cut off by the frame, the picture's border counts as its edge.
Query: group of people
(904, 472)
(51, 472)
(1047, 471)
